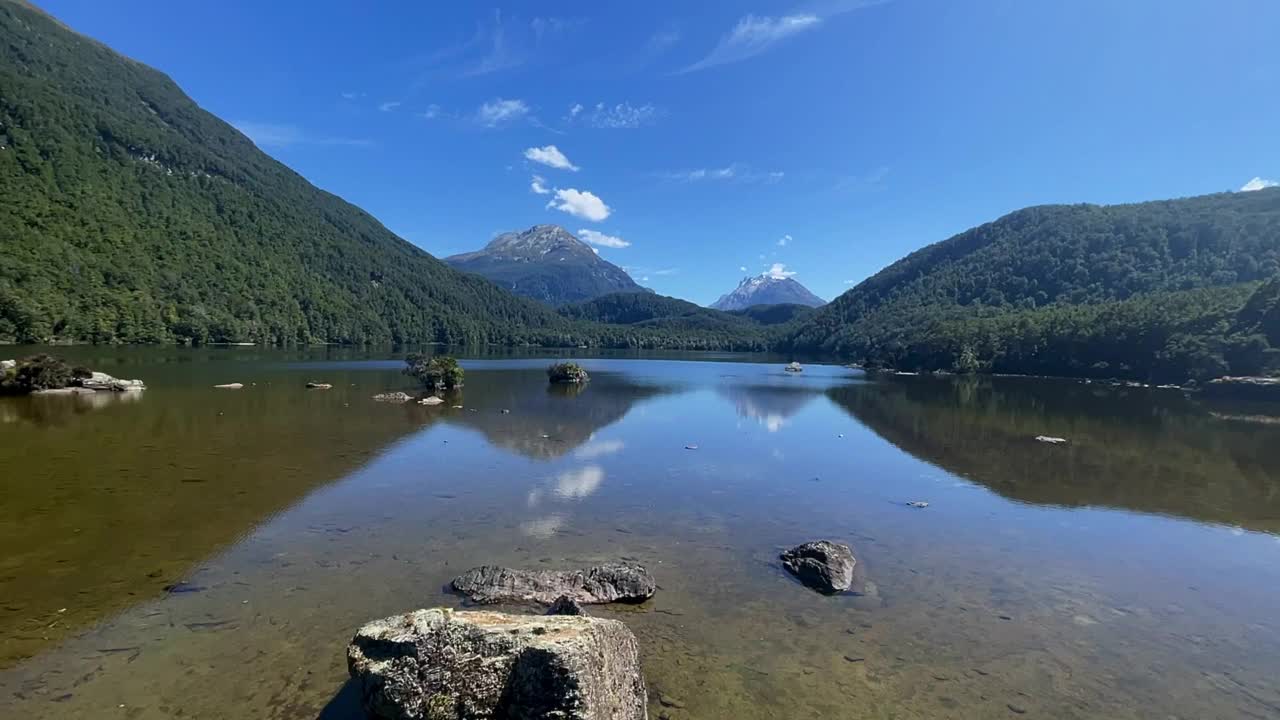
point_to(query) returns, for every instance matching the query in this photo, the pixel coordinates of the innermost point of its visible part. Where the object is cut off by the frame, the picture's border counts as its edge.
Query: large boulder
(102, 381)
(823, 565)
(445, 665)
(611, 582)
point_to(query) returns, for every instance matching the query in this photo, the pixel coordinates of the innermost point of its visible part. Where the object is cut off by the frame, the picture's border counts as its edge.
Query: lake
(208, 553)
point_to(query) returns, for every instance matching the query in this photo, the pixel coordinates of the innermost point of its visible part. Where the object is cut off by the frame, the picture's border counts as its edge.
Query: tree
(438, 372)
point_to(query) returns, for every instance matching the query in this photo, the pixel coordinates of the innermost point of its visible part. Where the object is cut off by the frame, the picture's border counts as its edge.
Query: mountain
(767, 290)
(1150, 291)
(130, 214)
(546, 263)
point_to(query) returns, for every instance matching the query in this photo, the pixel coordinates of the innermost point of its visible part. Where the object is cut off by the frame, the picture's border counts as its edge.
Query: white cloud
(644, 279)
(575, 109)
(850, 282)
(599, 448)
(871, 180)
(582, 204)
(593, 237)
(550, 156)
(577, 484)
(752, 36)
(1259, 184)
(736, 172)
(782, 241)
(538, 185)
(499, 111)
(352, 95)
(742, 268)
(432, 112)
(656, 46)
(666, 271)
(778, 271)
(623, 115)
(499, 53)
(273, 135)
(389, 105)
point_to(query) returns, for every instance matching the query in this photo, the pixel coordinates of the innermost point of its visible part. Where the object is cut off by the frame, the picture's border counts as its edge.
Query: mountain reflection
(770, 405)
(1133, 449)
(123, 493)
(546, 421)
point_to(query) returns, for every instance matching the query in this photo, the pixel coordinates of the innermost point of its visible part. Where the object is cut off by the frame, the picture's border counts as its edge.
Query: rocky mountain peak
(767, 289)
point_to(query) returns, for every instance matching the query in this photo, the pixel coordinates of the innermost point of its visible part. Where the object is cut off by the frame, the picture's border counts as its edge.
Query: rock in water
(794, 367)
(396, 397)
(611, 582)
(230, 386)
(445, 665)
(319, 386)
(1050, 439)
(823, 565)
(103, 381)
(432, 400)
(565, 605)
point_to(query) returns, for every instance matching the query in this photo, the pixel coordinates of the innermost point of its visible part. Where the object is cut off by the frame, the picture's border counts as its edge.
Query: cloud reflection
(597, 449)
(580, 483)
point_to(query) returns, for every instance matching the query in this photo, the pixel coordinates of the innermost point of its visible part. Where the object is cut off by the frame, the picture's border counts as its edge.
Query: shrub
(567, 372)
(438, 372)
(38, 372)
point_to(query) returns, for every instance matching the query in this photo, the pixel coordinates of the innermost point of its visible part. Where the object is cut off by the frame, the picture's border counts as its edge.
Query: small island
(437, 372)
(567, 373)
(45, 374)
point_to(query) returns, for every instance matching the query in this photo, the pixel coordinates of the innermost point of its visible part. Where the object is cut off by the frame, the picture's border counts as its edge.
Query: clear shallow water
(1129, 574)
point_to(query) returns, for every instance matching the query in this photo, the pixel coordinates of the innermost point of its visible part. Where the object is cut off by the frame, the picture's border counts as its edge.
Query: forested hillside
(1148, 291)
(131, 215)
(658, 316)
(774, 314)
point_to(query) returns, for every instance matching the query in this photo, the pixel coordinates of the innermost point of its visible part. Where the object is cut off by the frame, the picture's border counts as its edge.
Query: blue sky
(828, 138)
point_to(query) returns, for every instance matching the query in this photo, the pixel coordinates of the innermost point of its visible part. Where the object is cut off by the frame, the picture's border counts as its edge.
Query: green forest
(131, 215)
(1158, 291)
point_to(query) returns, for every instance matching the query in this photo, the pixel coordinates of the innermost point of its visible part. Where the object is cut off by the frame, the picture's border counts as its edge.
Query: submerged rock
(445, 665)
(1243, 387)
(823, 565)
(65, 391)
(565, 605)
(319, 386)
(793, 367)
(432, 400)
(611, 582)
(1050, 439)
(229, 386)
(398, 397)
